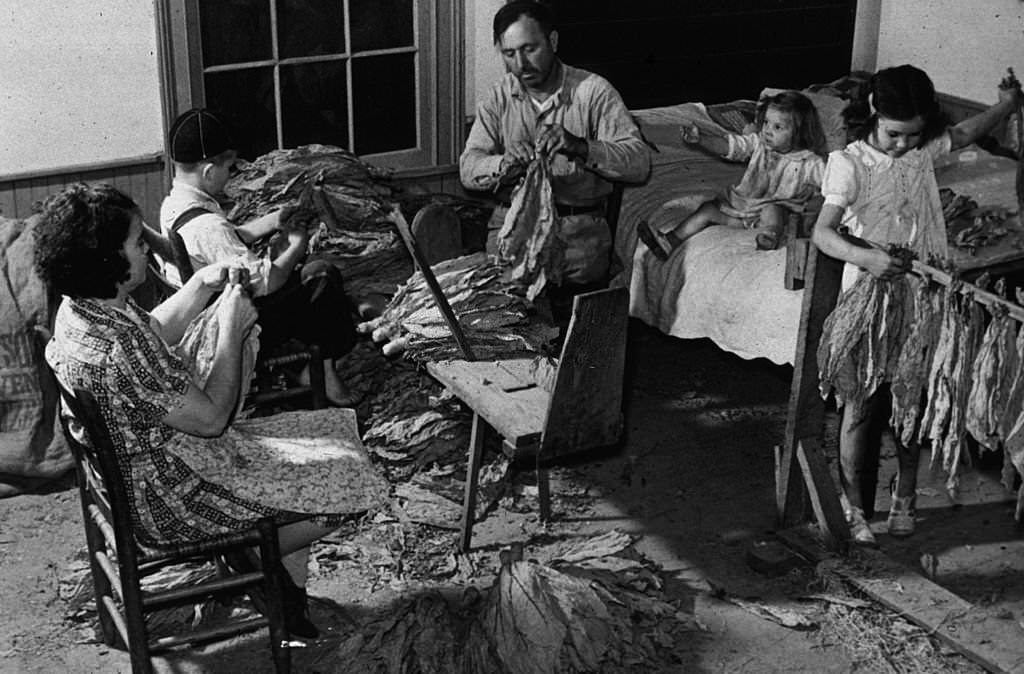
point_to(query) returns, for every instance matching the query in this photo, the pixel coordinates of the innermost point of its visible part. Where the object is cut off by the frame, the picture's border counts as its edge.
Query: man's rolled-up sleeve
(619, 152)
(480, 162)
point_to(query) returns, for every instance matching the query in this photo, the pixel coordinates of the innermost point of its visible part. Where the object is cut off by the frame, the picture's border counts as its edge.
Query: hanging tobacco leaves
(943, 422)
(529, 239)
(914, 361)
(991, 380)
(861, 340)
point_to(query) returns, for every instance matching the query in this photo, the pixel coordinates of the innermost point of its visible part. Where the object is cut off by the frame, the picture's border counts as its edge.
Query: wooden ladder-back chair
(119, 563)
(171, 248)
(544, 418)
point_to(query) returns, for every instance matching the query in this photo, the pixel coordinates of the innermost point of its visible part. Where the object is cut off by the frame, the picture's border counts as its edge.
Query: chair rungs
(115, 614)
(286, 359)
(120, 562)
(271, 397)
(103, 523)
(110, 572)
(215, 633)
(183, 594)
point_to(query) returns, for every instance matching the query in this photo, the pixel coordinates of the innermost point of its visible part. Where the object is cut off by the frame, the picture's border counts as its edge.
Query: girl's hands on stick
(883, 266)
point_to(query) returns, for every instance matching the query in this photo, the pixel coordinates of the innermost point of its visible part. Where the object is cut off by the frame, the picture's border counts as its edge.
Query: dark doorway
(663, 52)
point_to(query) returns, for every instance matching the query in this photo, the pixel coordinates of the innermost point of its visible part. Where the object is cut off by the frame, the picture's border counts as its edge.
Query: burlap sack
(32, 449)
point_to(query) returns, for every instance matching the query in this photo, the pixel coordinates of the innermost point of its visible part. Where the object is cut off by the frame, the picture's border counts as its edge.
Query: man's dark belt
(565, 210)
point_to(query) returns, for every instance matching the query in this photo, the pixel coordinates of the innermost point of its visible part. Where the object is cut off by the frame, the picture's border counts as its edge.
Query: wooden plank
(822, 492)
(993, 643)
(797, 251)
(515, 375)
(8, 207)
(805, 416)
(517, 415)
(476, 453)
(586, 401)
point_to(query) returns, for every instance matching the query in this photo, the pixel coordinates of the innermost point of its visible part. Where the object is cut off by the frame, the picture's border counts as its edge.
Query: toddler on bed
(785, 163)
(882, 188)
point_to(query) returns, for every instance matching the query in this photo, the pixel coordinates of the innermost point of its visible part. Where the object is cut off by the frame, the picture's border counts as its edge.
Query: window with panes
(359, 74)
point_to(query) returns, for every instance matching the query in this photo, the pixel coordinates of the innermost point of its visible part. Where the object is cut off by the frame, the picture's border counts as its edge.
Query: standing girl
(882, 188)
(785, 163)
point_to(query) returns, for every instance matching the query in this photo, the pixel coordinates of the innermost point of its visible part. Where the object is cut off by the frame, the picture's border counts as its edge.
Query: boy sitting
(295, 298)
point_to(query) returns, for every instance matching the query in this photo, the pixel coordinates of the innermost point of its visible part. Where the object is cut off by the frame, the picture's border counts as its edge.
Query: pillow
(830, 112)
(662, 129)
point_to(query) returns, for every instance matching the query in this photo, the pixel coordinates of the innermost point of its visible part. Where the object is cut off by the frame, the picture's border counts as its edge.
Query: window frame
(439, 88)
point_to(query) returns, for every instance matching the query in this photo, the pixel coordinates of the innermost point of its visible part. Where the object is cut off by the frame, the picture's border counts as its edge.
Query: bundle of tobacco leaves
(935, 416)
(1011, 423)
(493, 316)
(349, 200)
(358, 193)
(943, 419)
(984, 227)
(346, 205)
(954, 205)
(529, 238)
(914, 361)
(994, 368)
(862, 338)
(600, 607)
(953, 444)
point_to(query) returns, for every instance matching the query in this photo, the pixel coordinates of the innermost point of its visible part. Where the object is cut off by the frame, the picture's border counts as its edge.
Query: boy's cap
(197, 135)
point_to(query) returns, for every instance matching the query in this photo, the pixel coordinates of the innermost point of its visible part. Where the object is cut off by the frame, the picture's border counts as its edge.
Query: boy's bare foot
(652, 240)
(337, 393)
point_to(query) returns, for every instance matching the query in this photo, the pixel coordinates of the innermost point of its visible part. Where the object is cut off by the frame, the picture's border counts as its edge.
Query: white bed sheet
(717, 285)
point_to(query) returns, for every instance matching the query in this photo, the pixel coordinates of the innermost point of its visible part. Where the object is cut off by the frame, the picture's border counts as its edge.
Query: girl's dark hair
(807, 131)
(79, 240)
(901, 93)
(511, 11)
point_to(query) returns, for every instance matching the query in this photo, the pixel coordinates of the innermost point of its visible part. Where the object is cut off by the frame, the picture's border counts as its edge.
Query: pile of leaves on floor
(932, 343)
(596, 605)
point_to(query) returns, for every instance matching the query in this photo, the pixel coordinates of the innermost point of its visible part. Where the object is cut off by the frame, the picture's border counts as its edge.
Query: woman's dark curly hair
(807, 131)
(901, 93)
(79, 240)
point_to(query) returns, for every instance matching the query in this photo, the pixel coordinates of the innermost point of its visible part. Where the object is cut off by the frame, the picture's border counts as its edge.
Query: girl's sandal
(902, 516)
(860, 532)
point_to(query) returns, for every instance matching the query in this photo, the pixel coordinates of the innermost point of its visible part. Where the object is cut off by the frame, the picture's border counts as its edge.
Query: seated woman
(193, 472)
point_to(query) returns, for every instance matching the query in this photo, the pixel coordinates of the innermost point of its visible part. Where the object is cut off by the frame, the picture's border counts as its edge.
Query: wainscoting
(143, 178)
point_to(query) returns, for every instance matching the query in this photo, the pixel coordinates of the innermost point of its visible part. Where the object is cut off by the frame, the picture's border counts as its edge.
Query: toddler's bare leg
(769, 229)
(708, 214)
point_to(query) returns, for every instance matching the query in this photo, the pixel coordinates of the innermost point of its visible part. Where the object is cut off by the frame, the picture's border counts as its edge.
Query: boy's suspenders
(186, 216)
(190, 214)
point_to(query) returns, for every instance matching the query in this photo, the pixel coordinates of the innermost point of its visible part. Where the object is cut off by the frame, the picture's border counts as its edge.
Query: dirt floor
(693, 484)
